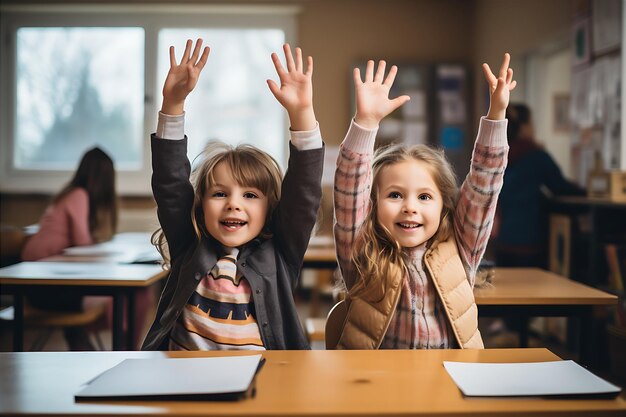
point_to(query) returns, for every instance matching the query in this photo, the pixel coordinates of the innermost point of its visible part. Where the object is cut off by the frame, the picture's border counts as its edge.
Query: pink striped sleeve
(479, 192)
(353, 182)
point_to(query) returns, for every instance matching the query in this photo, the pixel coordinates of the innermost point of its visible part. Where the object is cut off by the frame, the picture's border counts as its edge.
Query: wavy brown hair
(377, 256)
(250, 167)
(96, 175)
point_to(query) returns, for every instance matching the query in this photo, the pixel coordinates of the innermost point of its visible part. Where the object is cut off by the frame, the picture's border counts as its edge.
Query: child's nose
(410, 206)
(233, 204)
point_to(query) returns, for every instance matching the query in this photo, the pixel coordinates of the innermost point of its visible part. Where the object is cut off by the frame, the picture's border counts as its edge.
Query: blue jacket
(520, 207)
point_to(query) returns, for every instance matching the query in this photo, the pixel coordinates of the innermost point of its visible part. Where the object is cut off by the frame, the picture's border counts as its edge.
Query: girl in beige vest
(408, 242)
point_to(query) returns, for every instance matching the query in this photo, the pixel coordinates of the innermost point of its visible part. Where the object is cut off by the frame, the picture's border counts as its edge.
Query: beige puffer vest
(366, 322)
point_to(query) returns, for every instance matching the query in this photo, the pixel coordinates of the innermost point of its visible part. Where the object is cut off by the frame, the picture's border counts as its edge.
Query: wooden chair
(12, 240)
(334, 324)
(48, 321)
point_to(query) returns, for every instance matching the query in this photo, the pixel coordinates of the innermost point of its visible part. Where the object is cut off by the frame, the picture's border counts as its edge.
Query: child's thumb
(399, 101)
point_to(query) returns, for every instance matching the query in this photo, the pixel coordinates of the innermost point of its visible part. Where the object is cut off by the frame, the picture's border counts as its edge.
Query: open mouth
(409, 226)
(233, 224)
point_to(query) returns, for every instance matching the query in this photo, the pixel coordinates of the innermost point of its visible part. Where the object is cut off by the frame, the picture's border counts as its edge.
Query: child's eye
(218, 194)
(394, 194)
(425, 197)
(250, 195)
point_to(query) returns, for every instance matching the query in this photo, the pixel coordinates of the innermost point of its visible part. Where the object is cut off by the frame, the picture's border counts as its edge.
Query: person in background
(519, 235)
(408, 241)
(84, 212)
(236, 231)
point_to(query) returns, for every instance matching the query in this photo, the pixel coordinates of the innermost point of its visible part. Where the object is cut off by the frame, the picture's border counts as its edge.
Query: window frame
(152, 19)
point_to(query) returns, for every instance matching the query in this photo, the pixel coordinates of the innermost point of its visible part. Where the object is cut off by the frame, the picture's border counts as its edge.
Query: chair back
(334, 324)
(12, 240)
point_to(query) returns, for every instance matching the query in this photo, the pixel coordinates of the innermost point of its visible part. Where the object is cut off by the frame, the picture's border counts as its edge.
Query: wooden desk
(124, 248)
(118, 281)
(533, 292)
(292, 383)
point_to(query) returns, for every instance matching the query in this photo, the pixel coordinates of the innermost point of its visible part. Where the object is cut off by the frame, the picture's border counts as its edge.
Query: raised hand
(372, 95)
(183, 77)
(499, 88)
(295, 93)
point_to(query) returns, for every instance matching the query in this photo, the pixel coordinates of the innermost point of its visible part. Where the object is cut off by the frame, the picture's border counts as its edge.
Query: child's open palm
(183, 76)
(499, 88)
(296, 89)
(295, 93)
(372, 95)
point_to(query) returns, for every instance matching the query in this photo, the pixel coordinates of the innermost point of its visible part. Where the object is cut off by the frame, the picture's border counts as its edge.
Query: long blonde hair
(377, 256)
(250, 167)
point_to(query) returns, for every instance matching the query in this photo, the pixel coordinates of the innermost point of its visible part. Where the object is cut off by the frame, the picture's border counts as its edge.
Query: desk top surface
(80, 274)
(324, 383)
(523, 286)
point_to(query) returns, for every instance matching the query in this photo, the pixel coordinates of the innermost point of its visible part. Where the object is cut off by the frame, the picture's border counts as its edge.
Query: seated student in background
(237, 233)
(520, 232)
(82, 213)
(408, 246)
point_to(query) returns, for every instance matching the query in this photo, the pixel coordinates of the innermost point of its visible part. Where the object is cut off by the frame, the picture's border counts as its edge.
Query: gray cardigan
(271, 266)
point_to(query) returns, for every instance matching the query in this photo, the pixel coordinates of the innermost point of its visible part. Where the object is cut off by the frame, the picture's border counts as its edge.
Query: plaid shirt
(420, 320)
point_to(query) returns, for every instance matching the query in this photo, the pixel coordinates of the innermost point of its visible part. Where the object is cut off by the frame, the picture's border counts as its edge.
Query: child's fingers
(279, 67)
(289, 58)
(203, 59)
(512, 85)
(196, 51)
(185, 57)
(356, 74)
(491, 79)
(391, 76)
(509, 75)
(399, 101)
(369, 71)
(505, 66)
(298, 59)
(380, 71)
(309, 66)
(273, 87)
(172, 57)
(500, 85)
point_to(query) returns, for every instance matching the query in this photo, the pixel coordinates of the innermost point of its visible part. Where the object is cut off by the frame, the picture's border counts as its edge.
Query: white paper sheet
(526, 379)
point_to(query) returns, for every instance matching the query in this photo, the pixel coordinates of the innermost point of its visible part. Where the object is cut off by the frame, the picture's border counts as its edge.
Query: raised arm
(294, 218)
(170, 167)
(479, 193)
(353, 177)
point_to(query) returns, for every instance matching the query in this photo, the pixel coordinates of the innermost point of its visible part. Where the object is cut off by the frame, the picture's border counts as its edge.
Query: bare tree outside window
(76, 88)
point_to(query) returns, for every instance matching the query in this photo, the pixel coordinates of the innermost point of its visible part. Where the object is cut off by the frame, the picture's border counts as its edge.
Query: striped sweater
(419, 320)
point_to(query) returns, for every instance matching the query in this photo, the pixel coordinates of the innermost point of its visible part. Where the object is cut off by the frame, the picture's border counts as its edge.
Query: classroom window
(78, 88)
(78, 76)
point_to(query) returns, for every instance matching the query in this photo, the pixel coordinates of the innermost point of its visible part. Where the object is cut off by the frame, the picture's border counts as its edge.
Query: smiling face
(233, 214)
(409, 203)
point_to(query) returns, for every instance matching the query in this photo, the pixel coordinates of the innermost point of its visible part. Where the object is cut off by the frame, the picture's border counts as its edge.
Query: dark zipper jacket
(271, 266)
